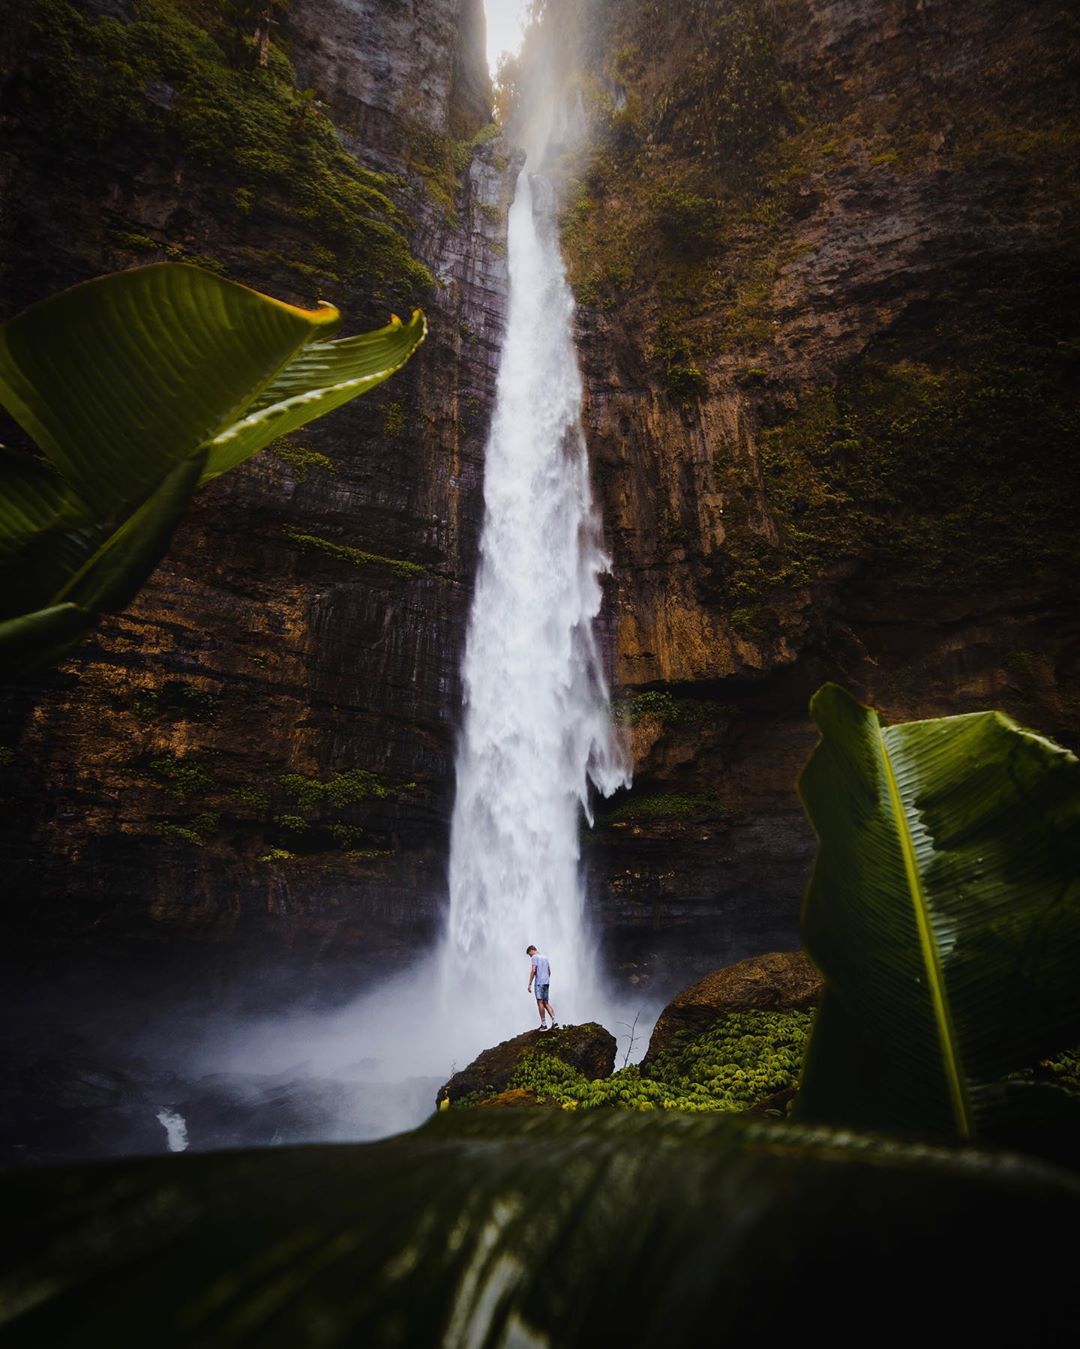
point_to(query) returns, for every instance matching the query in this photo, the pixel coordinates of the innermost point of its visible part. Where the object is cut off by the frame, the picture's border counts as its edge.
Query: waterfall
(537, 724)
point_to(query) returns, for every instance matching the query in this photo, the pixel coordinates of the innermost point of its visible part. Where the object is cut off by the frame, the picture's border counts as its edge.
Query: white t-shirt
(542, 968)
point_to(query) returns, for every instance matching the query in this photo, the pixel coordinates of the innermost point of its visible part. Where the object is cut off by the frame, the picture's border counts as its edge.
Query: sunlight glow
(505, 25)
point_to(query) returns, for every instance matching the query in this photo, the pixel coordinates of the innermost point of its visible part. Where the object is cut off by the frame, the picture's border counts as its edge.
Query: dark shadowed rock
(589, 1048)
(782, 981)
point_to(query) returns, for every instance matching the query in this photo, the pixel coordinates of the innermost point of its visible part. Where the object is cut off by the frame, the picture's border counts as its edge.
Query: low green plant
(251, 797)
(187, 375)
(357, 556)
(185, 776)
(744, 1058)
(277, 855)
(295, 824)
(667, 806)
(197, 830)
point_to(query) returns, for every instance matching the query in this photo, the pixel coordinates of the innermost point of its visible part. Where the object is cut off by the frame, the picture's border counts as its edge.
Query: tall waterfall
(537, 726)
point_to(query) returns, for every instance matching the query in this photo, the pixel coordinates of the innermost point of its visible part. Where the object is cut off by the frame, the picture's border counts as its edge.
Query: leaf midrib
(954, 1075)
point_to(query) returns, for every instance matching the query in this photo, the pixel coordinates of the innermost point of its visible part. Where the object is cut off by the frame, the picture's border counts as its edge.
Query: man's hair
(529, 950)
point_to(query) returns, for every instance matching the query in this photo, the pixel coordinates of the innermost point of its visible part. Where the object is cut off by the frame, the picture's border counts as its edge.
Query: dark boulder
(589, 1048)
(782, 981)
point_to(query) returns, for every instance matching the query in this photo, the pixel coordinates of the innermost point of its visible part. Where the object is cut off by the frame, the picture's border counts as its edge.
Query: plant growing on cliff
(138, 388)
(944, 913)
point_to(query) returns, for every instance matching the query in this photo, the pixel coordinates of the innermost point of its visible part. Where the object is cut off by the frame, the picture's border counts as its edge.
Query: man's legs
(545, 1005)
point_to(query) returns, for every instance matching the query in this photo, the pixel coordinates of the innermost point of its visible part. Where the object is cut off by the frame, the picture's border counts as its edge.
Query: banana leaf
(541, 1228)
(137, 388)
(944, 914)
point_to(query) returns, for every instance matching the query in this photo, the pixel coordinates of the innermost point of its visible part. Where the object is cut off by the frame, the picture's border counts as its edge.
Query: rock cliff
(258, 753)
(822, 252)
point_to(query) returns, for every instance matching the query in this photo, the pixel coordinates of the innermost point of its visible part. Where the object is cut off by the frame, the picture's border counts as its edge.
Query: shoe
(543, 1025)
(554, 1025)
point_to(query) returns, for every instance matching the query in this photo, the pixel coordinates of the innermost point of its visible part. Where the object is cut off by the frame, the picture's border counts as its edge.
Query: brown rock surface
(782, 981)
(515, 1099)
(252, 655)
(588, 1048)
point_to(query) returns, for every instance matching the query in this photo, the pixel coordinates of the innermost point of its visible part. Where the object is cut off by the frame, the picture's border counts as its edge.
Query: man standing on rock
(541, 972)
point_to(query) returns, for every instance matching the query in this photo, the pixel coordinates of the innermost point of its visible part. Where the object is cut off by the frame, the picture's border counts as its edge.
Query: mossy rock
(782, 981)
(588, 1049)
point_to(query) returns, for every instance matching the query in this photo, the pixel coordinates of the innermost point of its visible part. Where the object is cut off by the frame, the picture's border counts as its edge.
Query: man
(541, 972)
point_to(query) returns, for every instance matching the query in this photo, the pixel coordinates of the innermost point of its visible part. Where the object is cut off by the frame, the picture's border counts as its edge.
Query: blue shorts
(542, 992)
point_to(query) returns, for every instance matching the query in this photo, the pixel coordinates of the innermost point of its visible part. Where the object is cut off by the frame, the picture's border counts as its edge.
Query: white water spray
(537, 723)
(537, 731)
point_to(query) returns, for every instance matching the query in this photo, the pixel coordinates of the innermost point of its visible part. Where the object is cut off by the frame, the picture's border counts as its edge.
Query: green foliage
(665, 707)
(348, 835)
(176, 700)
(185, 776)
(295, 824)
(944, 914)
(357, 556)
(745, 1057)
(668, 806)
(197, 830)
(7, 756)
(179, 79)
(277, 855)
(253, 798)
(187, 375)
(491, 1228)
(339, 789)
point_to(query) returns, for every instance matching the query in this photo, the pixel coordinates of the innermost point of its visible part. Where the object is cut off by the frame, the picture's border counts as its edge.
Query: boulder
(782, 981)
(589, 1048)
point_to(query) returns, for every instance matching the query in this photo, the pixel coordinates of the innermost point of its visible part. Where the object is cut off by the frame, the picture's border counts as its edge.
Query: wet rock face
(814, 244)
(782, 981)
(590, 1049)
(146, 773)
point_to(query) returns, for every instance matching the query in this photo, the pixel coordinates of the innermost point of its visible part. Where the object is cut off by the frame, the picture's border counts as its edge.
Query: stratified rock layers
(258, 753)
(821, 251)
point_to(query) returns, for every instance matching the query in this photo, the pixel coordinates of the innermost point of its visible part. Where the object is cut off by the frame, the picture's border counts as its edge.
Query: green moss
(252, 798)
(339, 789)
(632, 708)
(7, 756)
(395, 420)
(367, 854)
(277, 855)
(295, 824)
(357, 556)
(185, 777)
(348, 835)
(179, 82)
(667, 806)
(744, 1058)
(134, 242)
(300, 458)
(197, 830)
(176, 700)
(953, 468)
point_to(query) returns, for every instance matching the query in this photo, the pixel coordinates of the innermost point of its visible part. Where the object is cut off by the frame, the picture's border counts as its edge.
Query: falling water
(537, 725)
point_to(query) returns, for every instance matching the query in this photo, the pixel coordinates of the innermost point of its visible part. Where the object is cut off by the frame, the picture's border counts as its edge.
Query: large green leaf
(534, 1229)
(944, 913)
(129, 384)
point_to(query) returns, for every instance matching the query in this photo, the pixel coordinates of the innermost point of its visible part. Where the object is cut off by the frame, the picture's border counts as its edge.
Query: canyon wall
(824, 255)
(256, 757)
(825, 259)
